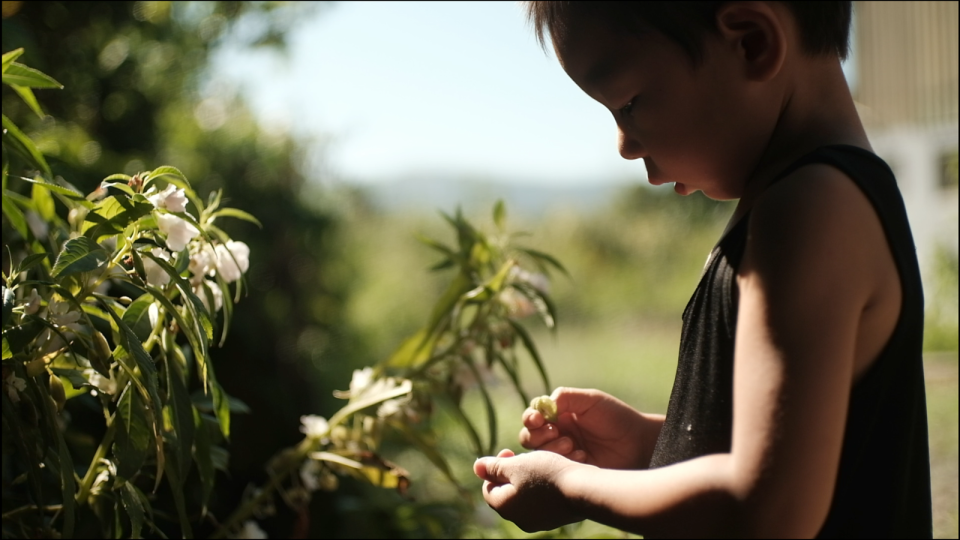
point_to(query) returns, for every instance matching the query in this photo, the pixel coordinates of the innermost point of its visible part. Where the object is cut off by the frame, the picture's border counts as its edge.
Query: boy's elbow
(765, 515)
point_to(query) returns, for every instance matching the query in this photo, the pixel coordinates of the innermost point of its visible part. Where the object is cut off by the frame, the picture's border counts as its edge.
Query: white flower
(179, 231)
(308, 474)
(201, 291)
(202, 263)
(251, 530)
(171, 199)
(153, 313)
(537, 281)
(233, 259)
(33, 303)
(516, 303)
(156, 275)
(315, 427)
(14, 385)
(105, 385)
(360, 380)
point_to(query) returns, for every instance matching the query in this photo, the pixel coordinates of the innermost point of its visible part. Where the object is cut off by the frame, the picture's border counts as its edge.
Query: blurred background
(346, 127)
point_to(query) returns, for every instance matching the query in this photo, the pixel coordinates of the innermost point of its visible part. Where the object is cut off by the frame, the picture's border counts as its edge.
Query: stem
(105, 444)
(243, 512)
(16, 512)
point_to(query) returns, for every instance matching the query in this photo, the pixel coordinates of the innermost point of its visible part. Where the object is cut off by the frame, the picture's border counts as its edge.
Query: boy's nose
(629, 148)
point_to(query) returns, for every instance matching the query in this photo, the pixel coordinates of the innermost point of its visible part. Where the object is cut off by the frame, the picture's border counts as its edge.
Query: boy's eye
(625, 110)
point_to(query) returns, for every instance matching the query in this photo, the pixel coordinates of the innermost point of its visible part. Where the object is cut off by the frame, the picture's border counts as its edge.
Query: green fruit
(546, 406)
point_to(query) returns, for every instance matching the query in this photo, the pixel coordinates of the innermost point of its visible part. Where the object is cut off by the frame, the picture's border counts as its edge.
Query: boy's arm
(814, 258)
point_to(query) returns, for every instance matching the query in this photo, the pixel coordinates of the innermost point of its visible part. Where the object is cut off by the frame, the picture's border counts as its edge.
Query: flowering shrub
(117, 296)
(473, 334)
(121, 300)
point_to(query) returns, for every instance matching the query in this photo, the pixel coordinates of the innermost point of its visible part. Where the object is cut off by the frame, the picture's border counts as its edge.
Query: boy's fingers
(575, 400)
(532, 418)
(533, 439)
(562, 446)
(490, 469)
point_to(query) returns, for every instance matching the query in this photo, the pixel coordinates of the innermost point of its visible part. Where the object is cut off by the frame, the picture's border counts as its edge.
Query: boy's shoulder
(818, 211)
(819, 247)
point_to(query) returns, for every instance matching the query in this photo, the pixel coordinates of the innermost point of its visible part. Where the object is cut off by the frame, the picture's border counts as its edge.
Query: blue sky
(402, 89)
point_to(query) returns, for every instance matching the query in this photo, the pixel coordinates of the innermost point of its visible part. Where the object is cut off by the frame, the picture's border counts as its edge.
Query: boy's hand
(524, 489)
(592, 427)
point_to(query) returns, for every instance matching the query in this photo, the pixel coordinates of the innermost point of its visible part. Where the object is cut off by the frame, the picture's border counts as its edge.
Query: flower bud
(546, 406)
(35, 367)
(57, 392)
(100, 354)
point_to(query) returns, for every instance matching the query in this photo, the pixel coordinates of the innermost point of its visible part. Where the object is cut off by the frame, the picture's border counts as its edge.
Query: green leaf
(22, 145)
(488, 402)
(133, 436)
(428, 449)
(147, 381)
(24, 443)
(193, 337)
(9, 57)
(118, 176)
(43, 202)
(183, 427)
(79, 254)
(532, 349)
(21, 75)
(414, 350)
(499, 214)
(227, 306)
(221, 404)
(202, 455)
(30, 261)
(137, 316)
(26, 94)
(14, 215)
(204, 402)
(511, 372)
(176, 483)
(68, 487)
(194, 305)
(18, 337)
(134, 507)
(235, 213)
(166, 170)
(112, 215)
(68, 192)
(7, 353)
(543, 257)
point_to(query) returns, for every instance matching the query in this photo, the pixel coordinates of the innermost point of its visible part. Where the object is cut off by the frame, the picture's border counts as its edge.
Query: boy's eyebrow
(601, 72)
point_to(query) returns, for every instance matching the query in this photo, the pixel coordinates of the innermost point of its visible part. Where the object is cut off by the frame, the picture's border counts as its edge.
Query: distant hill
(530, 199)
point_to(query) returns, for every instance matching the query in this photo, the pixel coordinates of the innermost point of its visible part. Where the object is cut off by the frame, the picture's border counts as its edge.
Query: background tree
(136, 95)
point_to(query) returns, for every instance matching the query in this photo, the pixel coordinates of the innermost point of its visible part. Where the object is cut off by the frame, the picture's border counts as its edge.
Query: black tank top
(883, 484)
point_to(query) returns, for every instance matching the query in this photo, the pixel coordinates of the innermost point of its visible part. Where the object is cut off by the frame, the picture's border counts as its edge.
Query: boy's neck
(819, 111)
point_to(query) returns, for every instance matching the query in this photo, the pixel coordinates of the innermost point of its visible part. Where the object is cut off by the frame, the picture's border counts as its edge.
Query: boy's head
(696, 88)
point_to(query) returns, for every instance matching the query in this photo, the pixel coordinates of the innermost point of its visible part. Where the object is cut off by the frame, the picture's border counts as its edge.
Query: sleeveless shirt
(883, 483)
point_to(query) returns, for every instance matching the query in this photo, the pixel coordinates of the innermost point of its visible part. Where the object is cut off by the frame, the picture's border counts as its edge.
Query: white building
(905, 83)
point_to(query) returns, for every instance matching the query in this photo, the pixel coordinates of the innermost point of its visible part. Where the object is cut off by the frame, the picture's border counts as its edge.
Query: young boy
(798, 408)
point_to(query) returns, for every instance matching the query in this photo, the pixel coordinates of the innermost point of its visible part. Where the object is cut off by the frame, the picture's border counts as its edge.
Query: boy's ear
(756, 32)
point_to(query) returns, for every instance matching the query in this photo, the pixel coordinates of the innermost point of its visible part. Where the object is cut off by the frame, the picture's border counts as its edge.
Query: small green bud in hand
(546, 406)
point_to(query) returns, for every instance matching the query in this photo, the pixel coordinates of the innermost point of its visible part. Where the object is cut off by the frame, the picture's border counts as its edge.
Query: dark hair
(824, 26)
